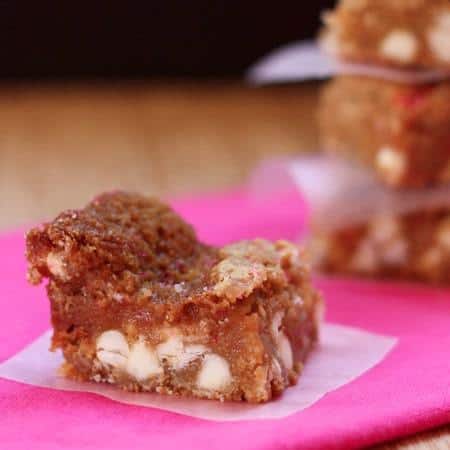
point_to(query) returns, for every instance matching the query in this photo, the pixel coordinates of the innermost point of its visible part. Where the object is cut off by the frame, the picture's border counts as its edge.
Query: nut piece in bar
(414, 246)
(405, 34)
(137, 301)
(401, 132)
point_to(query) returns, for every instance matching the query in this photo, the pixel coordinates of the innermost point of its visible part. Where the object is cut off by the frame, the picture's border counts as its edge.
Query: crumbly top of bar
(125, 246)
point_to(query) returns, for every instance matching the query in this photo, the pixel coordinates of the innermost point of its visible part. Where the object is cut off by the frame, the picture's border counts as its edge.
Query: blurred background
(148, 96)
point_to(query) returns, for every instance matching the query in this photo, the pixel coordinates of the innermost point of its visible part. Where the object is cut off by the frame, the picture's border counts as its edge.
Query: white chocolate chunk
(391, 164)
(400, 46)
(396, 252)
(112, 359)
(284, 348)
(56, 265)
(384, 228)
(112, 349)
(97, 378)
(285, 351)
(142, 362)
(330, 43)
(113, 341)
(276, 324)
(318, 248)
(177, 354)
(365, 258)
(170, 349)
(190, 353)
(443, 235)
(276, 368)
(214, 374)
(118, 297)
(438, 37)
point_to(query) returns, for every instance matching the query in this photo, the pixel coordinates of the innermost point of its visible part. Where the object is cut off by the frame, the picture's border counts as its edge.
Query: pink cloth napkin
(406, 393)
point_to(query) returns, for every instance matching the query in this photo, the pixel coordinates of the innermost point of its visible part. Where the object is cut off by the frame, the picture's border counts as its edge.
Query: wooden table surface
(61, 144)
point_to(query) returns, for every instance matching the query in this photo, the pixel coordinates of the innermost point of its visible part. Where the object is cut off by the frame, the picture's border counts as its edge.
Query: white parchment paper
(343, 354)
(301, 61)
(340, 193)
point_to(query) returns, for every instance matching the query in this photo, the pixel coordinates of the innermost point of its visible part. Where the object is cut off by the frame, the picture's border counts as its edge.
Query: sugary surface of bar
(139, 302)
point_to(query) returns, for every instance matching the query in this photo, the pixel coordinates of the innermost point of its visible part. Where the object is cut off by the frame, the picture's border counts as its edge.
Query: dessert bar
(414, 246)
(401, 132)
(399, 33)
(137, 301)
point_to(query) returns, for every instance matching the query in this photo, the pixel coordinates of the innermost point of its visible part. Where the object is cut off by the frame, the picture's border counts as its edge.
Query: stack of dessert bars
(399, 131)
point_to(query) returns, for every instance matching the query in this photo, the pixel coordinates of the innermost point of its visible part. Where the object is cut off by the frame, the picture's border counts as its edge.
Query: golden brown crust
(129, 282)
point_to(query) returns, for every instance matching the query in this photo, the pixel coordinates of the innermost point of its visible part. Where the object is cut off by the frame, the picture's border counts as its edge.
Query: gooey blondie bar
(137, 301)
(413, 246)
(400, 33)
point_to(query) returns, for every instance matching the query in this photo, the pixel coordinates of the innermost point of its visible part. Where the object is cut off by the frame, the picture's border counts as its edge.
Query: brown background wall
(176, 38)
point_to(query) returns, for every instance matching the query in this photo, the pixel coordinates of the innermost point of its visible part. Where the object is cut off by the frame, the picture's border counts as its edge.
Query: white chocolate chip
(118, 297)
(330, 43)
(284, 348)
(170, 349)
(391, 164)
(214, 374)
(285, 351)
(178, 287)
(276, 368)
(439, 37)
(177, 354)
(143, 362)
(190, 353)
(319, 248)
(384, 228)
(276, 324)
(112, 349)
(395, 253)
(113, 341)
(365, 258)
(399, 45)
(56, 265)
(97, 378)
(112, 359)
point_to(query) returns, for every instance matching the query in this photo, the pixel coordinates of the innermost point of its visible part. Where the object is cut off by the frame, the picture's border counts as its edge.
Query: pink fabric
(408, 392)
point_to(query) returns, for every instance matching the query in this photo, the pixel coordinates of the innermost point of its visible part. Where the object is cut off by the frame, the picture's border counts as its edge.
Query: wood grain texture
(60, 145)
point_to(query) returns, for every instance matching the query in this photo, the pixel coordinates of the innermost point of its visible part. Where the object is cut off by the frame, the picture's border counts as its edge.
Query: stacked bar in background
(406, 34)
(400, 132)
